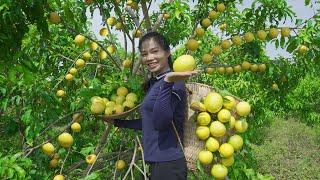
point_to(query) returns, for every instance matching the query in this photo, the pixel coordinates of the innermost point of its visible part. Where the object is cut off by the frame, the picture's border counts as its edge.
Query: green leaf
(26, 116)
(306, 2)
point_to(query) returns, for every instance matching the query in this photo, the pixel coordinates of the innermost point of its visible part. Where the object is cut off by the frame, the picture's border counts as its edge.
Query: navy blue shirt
(164, 102)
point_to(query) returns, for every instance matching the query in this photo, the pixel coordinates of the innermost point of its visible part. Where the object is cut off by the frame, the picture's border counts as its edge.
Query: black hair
(161, 40)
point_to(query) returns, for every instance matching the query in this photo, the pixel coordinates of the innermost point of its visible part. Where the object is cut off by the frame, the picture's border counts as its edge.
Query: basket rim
(115, 116)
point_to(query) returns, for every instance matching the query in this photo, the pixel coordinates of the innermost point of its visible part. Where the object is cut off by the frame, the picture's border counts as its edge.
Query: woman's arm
(130, 124)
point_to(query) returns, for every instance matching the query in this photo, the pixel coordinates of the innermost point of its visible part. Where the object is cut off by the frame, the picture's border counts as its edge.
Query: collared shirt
(164, 102)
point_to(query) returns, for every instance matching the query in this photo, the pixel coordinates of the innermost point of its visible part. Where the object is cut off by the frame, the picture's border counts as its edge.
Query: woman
(163, 106)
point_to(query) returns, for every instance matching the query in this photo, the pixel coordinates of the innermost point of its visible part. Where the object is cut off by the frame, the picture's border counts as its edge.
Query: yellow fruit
(128, 104)
(224, 115)
(80, 63)
(127, 63)
(75, 127)
(236, 141)
(134, 6)
(120, 99)
(53, 163)
(221, 7)
(226, 150)
(213, 15)
(203, 132)
(205, 157)
(184, 63)
(206, 22)
(77, 117)
(102, 55)
(207, 58)
(241, 126)
(98, 106)
(236, 40)
(65, 140)
(54, 18)
(86, 56)
(120, 165)
(248, 37)
(111, 49)
(69, 77)
(93, 46)
(79, 39)
(273, 33)
(302, 49)
(203, 118)
(229, 70)
(221, 70)
(217, 129)
(229, 102)
(129, 2)
(245, 65)
(275, 86)
(166, 16)
(237, 68)
(200, 32)
(261, 34)
(213, 102)
(192, 45)
(254, 67)
(212, 144)
(243, 108)
(225, 44)
(48, 148)
(262, 67)
(210, 70)
(232, 122)
(285, 32)
(132, 97)
(227, 161)
(137, 33)
(223, 26)
(122, 91)
(109, 110)
(111, 21)
(104, 32)
(219, 171)
(56, 156)
(61, 93)
(118, 109)
(73, 71)
(198, 106)
(119, 26)
(90, 159)
(216, 50)
(58, 177)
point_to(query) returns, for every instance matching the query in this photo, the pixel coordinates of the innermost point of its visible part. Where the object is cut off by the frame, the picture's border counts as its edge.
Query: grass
(291, 150)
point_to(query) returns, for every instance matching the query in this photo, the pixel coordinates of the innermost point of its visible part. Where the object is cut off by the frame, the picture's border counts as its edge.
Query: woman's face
(154, 57)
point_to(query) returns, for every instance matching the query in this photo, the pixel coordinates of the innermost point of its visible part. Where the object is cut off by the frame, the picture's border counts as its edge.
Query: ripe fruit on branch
(48, 148)
(90, 159)
(65, 140)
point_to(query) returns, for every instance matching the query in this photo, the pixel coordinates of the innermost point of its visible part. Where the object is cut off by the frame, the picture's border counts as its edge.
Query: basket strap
(176, 132)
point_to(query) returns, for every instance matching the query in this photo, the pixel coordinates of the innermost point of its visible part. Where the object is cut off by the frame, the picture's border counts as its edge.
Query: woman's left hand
(178, 76)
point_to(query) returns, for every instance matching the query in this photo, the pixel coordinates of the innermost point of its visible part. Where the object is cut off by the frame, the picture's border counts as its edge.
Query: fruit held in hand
(184, 63)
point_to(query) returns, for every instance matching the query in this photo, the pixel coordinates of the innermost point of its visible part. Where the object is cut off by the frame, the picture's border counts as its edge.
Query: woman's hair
(163, 43)
(160, 39)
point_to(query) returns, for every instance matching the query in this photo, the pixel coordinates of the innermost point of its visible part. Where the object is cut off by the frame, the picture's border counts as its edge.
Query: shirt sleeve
(165, 105)
(130, 124)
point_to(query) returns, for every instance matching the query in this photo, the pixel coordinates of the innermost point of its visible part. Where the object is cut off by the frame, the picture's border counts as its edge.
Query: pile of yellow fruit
(217, 125)
(118, 103)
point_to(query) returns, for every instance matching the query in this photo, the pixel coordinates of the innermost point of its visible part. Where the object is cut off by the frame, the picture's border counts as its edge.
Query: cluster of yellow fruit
(112, 22)
(237, 68)
(65, 140)
(217, 124)
(121, 101)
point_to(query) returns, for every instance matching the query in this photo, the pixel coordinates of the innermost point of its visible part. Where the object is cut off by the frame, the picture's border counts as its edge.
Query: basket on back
(192, 145)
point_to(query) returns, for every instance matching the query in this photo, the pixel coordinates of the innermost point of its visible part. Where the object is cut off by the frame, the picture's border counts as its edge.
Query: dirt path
(291, 151)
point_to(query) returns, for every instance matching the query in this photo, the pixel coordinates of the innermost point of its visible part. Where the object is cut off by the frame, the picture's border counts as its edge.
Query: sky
(302, 12)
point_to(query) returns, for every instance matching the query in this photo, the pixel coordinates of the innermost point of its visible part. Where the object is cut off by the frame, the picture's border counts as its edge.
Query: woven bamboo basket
(192, 145)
